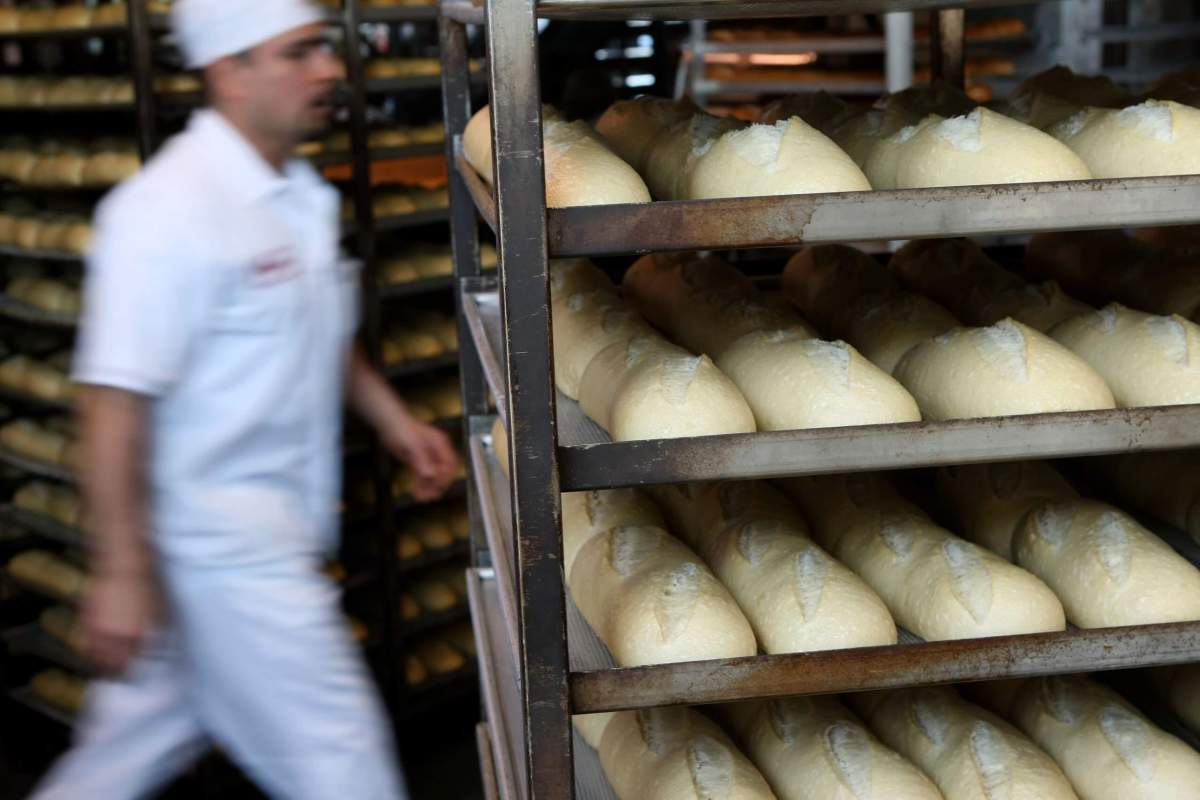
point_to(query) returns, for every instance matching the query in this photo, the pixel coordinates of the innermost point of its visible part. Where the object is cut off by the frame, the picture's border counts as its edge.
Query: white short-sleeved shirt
(214, 287)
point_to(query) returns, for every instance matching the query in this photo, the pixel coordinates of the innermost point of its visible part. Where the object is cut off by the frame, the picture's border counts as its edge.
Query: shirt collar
(242, 167)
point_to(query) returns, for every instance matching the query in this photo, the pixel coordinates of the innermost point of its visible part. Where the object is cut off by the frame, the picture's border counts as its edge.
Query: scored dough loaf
(969, 752)
(1162, 485)
(671, 159)
(883, 162)
(1041, 306)
(1107, 570)
(814, 748)
(651, 600)
(795, 595)
(791, 381)
(585, 324)
(883, 327)
(580, 168)
(570, 276)
(952, 272)
(632, 128)
(936, 585)
(822, 281)
(984, 147)
(585, 514)
(1146, 360)
(676, 754)
(788, 157)
(1001, 370)
(987, 503)
(835, 504)
(1157, 137)
(591, 727)
(1108, 749)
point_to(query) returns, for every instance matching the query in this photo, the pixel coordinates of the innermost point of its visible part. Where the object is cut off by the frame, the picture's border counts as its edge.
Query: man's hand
(119, 610)
(429, 454)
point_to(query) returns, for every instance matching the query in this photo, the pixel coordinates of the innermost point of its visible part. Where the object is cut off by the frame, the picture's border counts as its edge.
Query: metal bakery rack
(539, 663)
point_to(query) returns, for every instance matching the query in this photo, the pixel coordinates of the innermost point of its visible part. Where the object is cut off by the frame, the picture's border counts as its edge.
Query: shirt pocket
(259, 309)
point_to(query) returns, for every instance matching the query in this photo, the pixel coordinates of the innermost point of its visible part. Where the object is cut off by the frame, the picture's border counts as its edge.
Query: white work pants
(257, 660)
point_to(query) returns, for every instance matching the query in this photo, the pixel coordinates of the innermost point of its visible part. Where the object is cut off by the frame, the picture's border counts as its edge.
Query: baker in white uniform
(215, 355)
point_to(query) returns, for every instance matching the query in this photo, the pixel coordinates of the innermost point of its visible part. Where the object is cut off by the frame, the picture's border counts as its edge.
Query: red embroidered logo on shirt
(273, 266)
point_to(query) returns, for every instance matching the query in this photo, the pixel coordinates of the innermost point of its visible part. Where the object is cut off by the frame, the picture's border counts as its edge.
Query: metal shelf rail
(506, 346)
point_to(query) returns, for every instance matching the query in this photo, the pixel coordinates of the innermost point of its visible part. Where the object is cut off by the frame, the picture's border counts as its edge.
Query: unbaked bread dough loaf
(585, 324)
(1107, 570)
(835, 504)
(585, 514)
(632, 128)
(1146, 360)
(676, 754)
(823, 280)
(1108, 749)
(969, 752)
(858, 134)
(652, 601)
(570, 276)
(822, 110)
(1162, 485)
(607, 371)
(796, 597)
(885, 326)
(788, 157)
(1157, 137)
(1041, 306)
(1001, 370)
(670, 160)
(1087, 90)
(987, 503)
(814, 748)
(951, 271)
(936, 585)
(883, 162)
(984, 147)
(580, 168)
(591, 727)
(792, 381)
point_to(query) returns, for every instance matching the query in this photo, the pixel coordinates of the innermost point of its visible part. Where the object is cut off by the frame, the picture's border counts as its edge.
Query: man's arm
(121, 603)
(426, 450)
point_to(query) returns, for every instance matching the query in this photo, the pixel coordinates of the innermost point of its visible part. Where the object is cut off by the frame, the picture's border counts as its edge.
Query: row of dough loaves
(24, 92)
(35, 232)
(50, 572)
(59, 503)
(60, 297)
(47, 379)
(51, 440)
(433, 530)
(72, 16)
(422, 261)
(434, 591)
(420, 335)
(441, 653)
(631, 381)
(50, 164)
(435, 400)
(392, 136)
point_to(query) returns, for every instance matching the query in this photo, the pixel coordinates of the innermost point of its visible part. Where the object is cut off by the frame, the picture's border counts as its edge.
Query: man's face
(288, 82)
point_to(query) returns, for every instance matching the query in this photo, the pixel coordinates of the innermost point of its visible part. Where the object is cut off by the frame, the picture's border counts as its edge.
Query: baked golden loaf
(970, 753)
(1107, 570)
(676, 754)
(814, 748)
(935, 584)
(988, 503)
(50, 572)
(652, 601)
(1000, 370)
(796, 597)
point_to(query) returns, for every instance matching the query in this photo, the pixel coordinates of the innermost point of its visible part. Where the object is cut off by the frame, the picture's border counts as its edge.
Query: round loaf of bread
(652, 601)
(988, 503)
(632, 128)
(676, 754)
(789, 157)
(477, 143)
(970, 753)
(1107, 569)
(1146, 360)
(885, 326)
(604, 378)
(672, 157)
(858, 134)
(791, 382)
(883, 162)
(1157, 137)
(984, 148)
(824, 280)
(585, 514)
(1001, 370)
(814, 748)
(1105, 746)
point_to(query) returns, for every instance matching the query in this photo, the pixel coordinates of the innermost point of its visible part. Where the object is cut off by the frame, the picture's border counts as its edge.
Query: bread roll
(1001, 370)
(570, 276)
(676, 754)
(1105, 746)
(1087, 90)
(789, 157)
(835, 504)
(885, 326)
(61, 623)
(434, 596)
(607, 370)
(970, 753)
(988, 503)
(1107, 570)
(585, 514)
(984, 148)
(439, 657)
(670, 161)
(579, 167)
(1157, 137)
(700, 512)
(814, 748)
(822, 281)
(951, 271)
(650, 599)
(414, 671)
(408, 546)
(584, 325)
(50, 572)
(882, 165)
(434, 534)
(58, 688)
(936, 585)
(791, 382)
(821, 110)
(591, 727)
(633, 127)
(1041, 306)
(1147, 360)
(34, 497)
(1162, 485)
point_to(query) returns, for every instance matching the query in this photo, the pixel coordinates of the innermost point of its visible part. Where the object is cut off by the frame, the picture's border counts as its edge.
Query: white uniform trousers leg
(135, 735)
(281, 685)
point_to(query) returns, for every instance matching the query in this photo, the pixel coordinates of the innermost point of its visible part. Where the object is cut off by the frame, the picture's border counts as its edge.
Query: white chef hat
(209, 30)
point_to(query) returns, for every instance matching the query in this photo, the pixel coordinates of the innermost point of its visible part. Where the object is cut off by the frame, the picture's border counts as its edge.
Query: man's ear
(225, 78)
